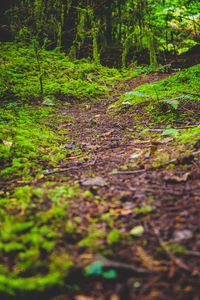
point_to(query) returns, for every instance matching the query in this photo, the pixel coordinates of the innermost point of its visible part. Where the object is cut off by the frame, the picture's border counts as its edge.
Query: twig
(192, 253)
(129, 172)
(174, 259)
(116, 264)
(163, 129)
(60, 171)
(196, 165)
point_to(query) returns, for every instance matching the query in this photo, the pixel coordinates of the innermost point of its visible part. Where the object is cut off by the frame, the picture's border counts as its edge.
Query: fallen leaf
(108, 133)
(180, 235)
(147, 260)
(165, 140)
(175, 178)
(137, 231)
(135, 155)
(82, 297)
(114, 297)
(95, 181)
(94, 117)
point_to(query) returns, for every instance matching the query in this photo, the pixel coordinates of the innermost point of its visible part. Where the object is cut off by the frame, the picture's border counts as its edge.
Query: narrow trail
(163, 202)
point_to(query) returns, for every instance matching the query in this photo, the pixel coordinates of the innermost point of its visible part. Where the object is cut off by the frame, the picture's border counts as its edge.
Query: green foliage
(29, 236)
(130, 27)
(97, 269)
(173, 103)
(146, 208)
(137, 231)
(165, 100)
(27, 130)
(28, 71)
(114, 236)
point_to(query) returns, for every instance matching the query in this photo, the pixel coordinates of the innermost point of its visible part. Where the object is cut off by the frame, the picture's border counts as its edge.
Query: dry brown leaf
(122, 212)
(82, 297)
(165, 140)
(95, 181)
(147, 260)
(176, 178)
(108, 133)
(114, 297)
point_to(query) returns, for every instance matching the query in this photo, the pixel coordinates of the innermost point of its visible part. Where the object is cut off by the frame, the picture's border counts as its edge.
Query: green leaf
(136, 93)
(94, 269)
(137, 231)
(110, 274)
(113, 236)
(170, 131)
(173, 103)
(135, 155)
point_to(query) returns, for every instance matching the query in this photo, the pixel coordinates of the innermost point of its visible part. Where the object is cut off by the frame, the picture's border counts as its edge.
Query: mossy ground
(175, 98)
(53, 224)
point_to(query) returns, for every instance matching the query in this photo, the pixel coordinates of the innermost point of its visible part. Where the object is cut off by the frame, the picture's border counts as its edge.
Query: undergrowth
(30, 141)
(30, 256)
(23, 70)
(168, 100)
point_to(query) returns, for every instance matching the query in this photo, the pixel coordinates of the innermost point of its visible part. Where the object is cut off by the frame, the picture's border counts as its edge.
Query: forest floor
(137, 224)
(161, 205)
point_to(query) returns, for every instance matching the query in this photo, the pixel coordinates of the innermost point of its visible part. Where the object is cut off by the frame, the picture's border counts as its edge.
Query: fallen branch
(128, 172)
(60, 171)
(116, 264)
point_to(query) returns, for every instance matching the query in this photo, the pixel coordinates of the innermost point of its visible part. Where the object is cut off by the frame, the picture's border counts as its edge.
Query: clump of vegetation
(27, 140)
(32, 221)
(167, 100)
(29, 72)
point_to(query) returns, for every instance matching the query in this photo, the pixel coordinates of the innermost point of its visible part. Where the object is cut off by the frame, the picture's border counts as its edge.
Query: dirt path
(123, 192)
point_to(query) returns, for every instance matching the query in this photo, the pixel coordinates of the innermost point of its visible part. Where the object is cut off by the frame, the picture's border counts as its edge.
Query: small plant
(97, 269)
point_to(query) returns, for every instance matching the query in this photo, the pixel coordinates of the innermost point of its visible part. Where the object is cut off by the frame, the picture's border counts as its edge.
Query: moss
(30, 237)
(27, 140)
(23, 68)
(168, 100)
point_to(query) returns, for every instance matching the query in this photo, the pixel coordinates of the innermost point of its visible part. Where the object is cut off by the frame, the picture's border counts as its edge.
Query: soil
(147, 267)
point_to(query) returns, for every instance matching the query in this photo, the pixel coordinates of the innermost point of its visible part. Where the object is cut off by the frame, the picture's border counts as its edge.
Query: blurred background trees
(112, 32)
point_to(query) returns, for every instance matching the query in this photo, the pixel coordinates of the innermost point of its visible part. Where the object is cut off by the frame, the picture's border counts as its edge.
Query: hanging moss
(151, 46)
(127, 43)
(80, 34)
(95, 31)
(60, 26)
